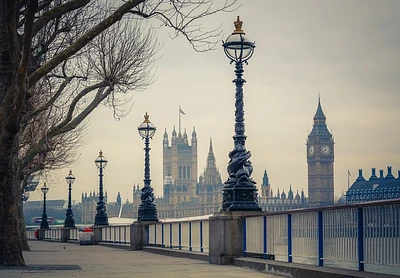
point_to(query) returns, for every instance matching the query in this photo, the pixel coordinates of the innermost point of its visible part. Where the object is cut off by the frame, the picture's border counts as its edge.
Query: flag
(348, 172)
(180, 111)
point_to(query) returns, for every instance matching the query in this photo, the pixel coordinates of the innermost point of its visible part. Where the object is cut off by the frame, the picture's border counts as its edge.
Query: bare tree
(53, 75)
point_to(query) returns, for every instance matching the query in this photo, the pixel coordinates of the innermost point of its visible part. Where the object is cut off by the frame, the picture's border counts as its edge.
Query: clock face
(325, 150)
(311, 150)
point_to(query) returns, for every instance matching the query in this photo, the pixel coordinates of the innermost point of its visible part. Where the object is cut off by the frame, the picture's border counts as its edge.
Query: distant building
(375, 188)
(183, 196)
(89, 203)
(279, 202)
(320, 158)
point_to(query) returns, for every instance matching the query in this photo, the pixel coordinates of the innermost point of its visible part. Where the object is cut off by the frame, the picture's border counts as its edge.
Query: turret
(290, 193)
(173, 139)
(119, 199)
(165, 139)
(185, 138)
(194, 137)
(265, 179)
(210, 156)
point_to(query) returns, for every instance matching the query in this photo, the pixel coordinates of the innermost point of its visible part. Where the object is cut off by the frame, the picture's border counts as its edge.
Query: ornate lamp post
(240, 192)
(147, 209)
(101, 218)
(69, 219)
(44, 225)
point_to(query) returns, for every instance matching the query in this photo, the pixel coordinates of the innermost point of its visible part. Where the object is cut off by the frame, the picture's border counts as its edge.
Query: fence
(116, 234)
(183, 235)
(364, 236)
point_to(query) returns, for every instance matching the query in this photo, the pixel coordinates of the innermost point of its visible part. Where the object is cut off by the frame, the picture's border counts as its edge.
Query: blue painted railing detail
(180, 236)
(360, 232)
(289, 238)
(244, 238)
(190, 236)
(320, 239)
(201, 236)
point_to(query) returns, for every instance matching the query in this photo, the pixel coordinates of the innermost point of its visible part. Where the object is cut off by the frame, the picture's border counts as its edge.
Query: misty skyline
(347, 51)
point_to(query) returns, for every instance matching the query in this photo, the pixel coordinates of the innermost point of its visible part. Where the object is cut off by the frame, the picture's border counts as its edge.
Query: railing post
(201, 236)
(97, 234)
(289, 235)
(162, 235)
(140, 234)
(155, 235)
(265, 236)
(226, 236)
(180, 235)
(170, 235)
(65, 234)
(320, 239)
(190, 236)
(360, 239)
(244, 238)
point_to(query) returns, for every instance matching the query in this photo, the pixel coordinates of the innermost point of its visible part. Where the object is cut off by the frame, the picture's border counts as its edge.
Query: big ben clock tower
(320, 157)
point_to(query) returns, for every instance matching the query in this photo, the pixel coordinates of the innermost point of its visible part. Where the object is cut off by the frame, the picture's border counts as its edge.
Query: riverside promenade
(55, 259)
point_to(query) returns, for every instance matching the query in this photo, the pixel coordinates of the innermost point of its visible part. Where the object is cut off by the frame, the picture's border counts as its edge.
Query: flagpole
(348, 179)
(179, 112)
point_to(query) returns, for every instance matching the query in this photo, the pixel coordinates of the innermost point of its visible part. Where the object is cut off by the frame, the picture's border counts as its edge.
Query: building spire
(319, 127)
(210, 157)
(319, 115)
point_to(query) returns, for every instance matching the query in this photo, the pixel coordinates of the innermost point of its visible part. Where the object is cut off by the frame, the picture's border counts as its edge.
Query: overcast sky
(348, 51)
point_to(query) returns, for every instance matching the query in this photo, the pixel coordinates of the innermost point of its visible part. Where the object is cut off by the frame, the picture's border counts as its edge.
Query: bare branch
(82, 41)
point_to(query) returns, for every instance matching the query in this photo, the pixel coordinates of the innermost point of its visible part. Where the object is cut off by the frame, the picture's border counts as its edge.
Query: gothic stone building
(320, 157)
(184, 196)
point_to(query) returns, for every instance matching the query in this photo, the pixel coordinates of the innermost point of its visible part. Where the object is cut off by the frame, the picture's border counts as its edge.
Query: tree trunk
(10, 189)
(12, 106)
(10, 199)
(22, 227)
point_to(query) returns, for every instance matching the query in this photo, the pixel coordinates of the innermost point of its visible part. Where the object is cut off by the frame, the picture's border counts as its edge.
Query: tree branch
(73, 106)
(57, 12)
(82, 41)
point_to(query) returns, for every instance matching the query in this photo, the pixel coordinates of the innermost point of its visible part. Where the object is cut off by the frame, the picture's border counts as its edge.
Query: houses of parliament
(186, 194)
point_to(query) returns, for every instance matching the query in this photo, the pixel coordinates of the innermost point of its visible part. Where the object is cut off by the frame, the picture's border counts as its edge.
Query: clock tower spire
(320, 158)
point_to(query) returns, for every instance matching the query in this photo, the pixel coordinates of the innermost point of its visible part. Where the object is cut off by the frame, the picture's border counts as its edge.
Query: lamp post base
(240, 198)
(44, 225)
(147, 213)
(69, 223)
(101, 220)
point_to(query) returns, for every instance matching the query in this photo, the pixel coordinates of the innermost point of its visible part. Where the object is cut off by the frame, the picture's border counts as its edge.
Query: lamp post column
(69, 220)
(240, 192)
(147, 210)
(44, 225)
(101, 218)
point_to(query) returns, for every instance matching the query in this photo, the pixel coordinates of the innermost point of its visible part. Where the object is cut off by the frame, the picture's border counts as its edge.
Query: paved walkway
(55, 259)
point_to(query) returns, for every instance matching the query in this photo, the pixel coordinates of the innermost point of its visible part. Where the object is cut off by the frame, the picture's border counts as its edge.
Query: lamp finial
(100, 153)
(146, 118)
(238, 25)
